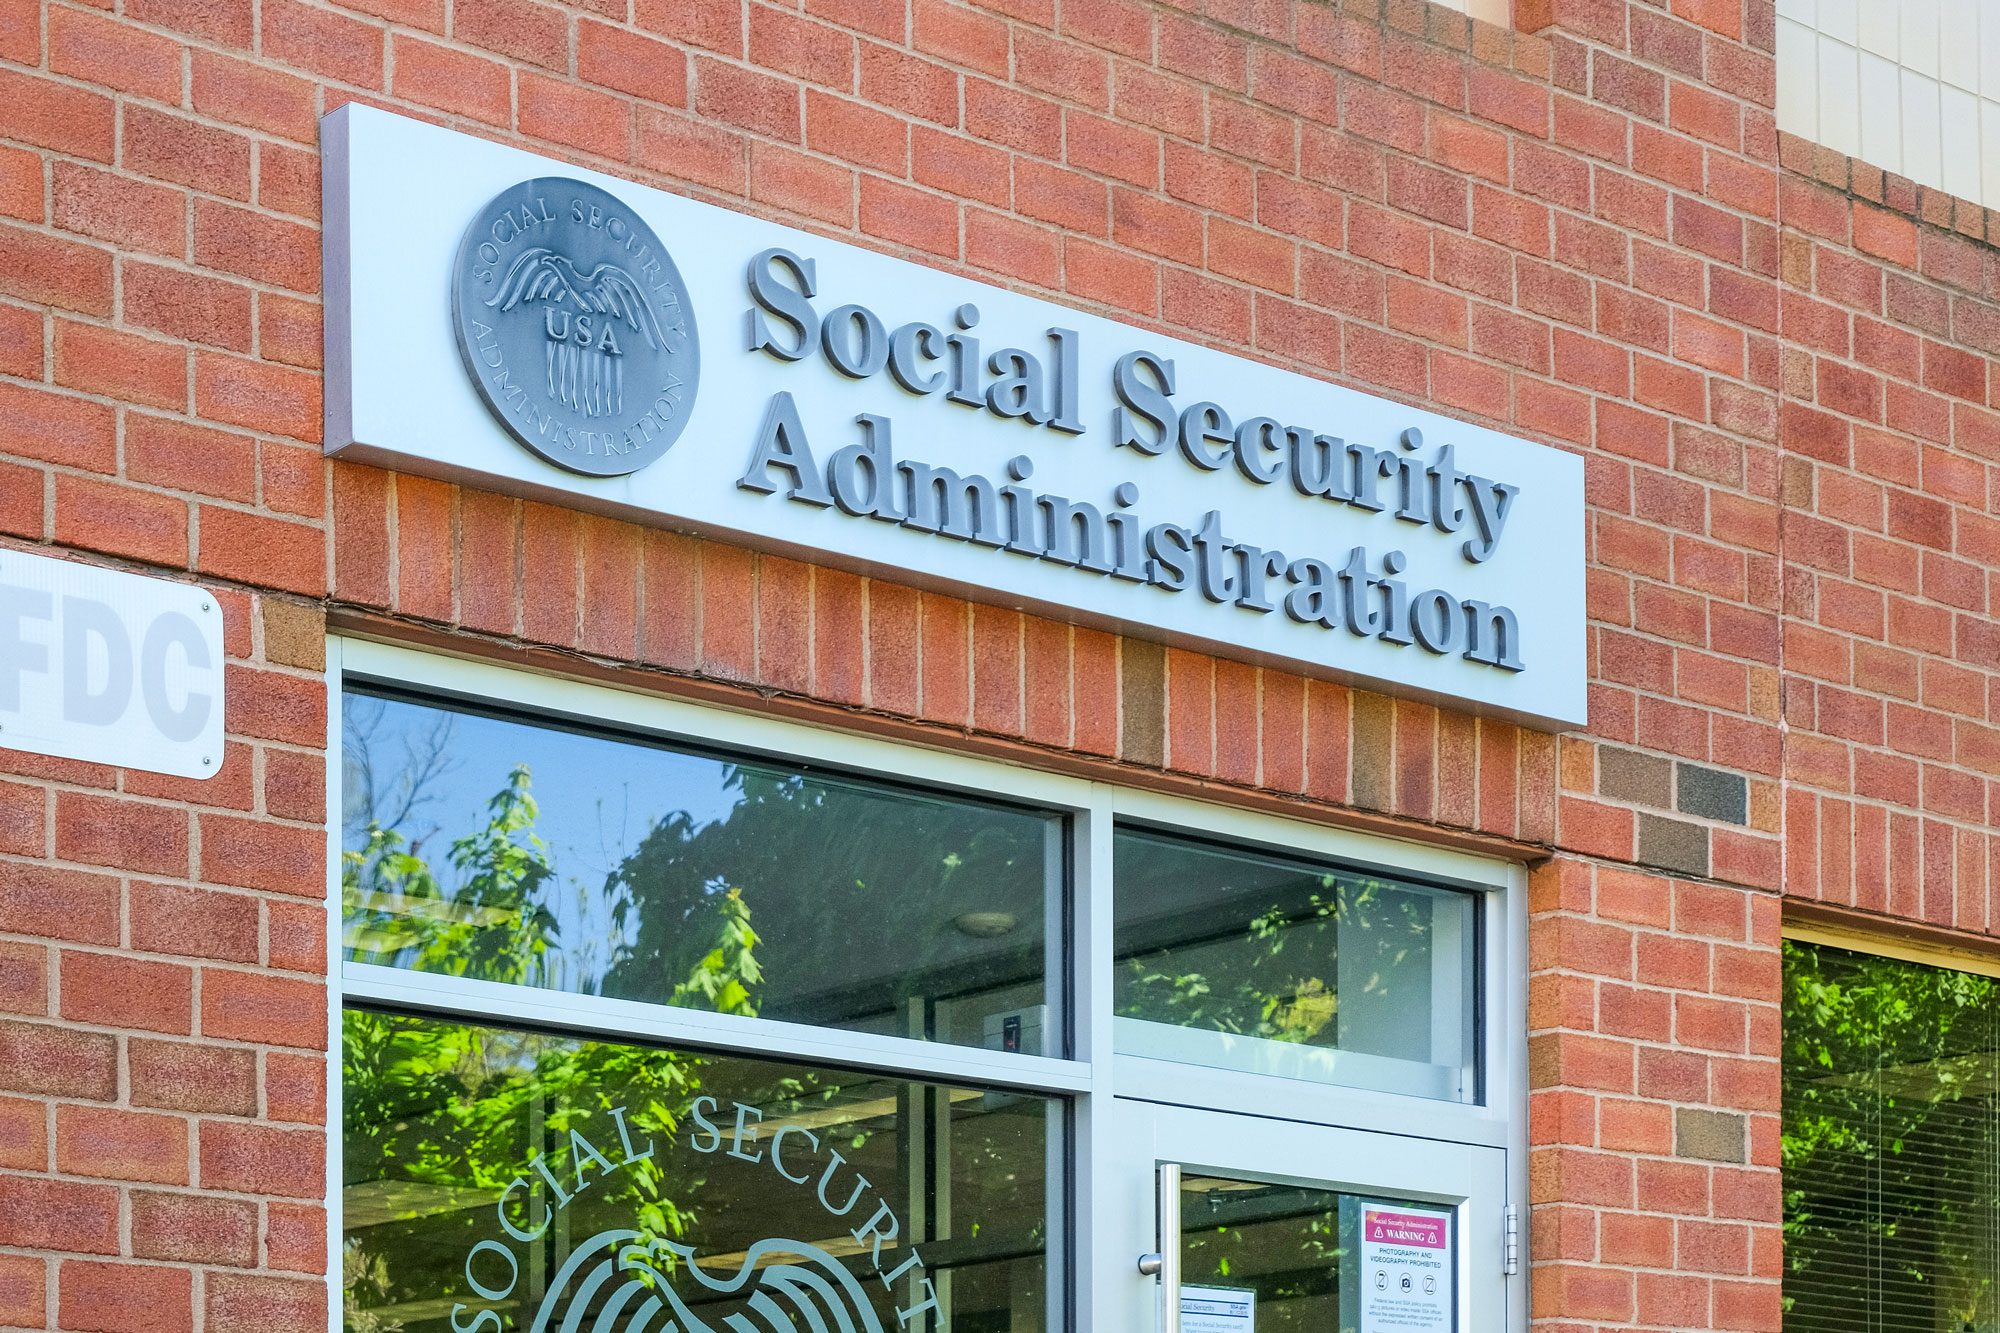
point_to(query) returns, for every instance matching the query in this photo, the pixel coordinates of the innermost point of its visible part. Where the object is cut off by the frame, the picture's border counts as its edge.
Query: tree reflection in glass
(509, 850)
(499, 1180)
(1891, 1145)
(1274, 964)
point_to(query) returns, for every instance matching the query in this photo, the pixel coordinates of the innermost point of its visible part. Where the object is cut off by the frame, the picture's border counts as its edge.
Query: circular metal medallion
(574, 324)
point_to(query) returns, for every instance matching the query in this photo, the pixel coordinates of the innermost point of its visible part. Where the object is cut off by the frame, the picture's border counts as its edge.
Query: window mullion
(596, 1015)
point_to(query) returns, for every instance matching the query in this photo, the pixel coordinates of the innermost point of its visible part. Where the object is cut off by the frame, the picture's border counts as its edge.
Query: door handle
(1165, 1264)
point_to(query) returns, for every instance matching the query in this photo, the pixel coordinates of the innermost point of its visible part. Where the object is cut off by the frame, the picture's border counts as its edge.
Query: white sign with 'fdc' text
(109, 667)
(497, 318)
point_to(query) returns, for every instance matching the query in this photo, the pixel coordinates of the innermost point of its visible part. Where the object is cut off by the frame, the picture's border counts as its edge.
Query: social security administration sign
(497, 318)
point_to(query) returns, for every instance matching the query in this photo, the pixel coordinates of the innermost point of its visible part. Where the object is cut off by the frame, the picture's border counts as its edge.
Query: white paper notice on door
(1405, 1269)
(1218, 1310)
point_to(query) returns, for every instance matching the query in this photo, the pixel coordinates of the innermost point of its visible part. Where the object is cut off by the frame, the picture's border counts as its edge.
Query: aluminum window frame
(1092, 1074)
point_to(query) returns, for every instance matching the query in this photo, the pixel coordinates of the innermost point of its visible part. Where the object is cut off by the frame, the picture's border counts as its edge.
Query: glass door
(1247, 1224)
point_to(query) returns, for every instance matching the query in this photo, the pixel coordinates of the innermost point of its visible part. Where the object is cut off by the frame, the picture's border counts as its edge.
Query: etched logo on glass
(634, 1279)
(574, 325)
(628, 1285)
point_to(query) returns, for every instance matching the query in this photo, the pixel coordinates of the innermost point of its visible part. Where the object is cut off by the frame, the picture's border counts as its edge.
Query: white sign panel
(1405, 1270)
(1218, 1310)
(508, 321)
(109, 667)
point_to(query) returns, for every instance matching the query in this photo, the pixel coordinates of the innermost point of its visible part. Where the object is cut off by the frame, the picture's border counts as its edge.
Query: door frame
(1498, 1121)
(1469, 1179)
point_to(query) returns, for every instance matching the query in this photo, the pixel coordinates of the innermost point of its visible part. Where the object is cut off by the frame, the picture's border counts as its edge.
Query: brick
(631, 62)
(56, 116)
(124, 1298)
(898, 81)
(1383, 116)
(1014, 119)
(1019, 250)
(295, 937)
(23, 1284)
(289, 330)
(241, 93)
(106, 1142)
(295, 1088)
(945, 162)
(295, 1237)
(808, 50)
(180, 1076)
(691, 150)
(120, 365)
(107, 207)
(523, 29)
(121, 520)
(24, 978)
(1208, 54)
(886, 23)
(250, 245)
(1145, 97)
(105, 831)
(802, 185)
(289, 181)
(1108, 148)
(47, 270)
(186, 152)
(39, 1213)
(1099, 273)
(756, 102)
(58, 1062)
(113, 54)
(255, 854)
(164, 451)
(194, 923)
(326, 43)
(961, 35)
(238, 392)
(57, 903)
(715, 25)
(909, 217)
(582, 118)
(254, 1303)
(191, 1229)
(452, 80)
(258, 1159)
(113, 991)
(187, 305)
(226, 22)
(21, 185)
(250, 1006)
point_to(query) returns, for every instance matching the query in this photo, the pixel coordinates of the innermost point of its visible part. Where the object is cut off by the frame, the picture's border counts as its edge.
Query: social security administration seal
(574, 325)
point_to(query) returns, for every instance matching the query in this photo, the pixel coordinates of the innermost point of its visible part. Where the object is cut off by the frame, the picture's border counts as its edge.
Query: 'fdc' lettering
(102, 665)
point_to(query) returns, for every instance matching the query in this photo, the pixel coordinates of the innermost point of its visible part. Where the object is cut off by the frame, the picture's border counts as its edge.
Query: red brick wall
(1778, 365)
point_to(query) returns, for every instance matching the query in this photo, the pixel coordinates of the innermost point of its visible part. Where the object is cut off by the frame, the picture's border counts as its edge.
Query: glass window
(1274, 964)
(494, 847)
(1891, 1145)
(499, 1180)
(1290, 1258)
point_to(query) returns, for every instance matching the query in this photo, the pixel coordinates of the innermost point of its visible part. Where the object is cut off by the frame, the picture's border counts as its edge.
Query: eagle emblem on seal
(575, 326)
(581, 316)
